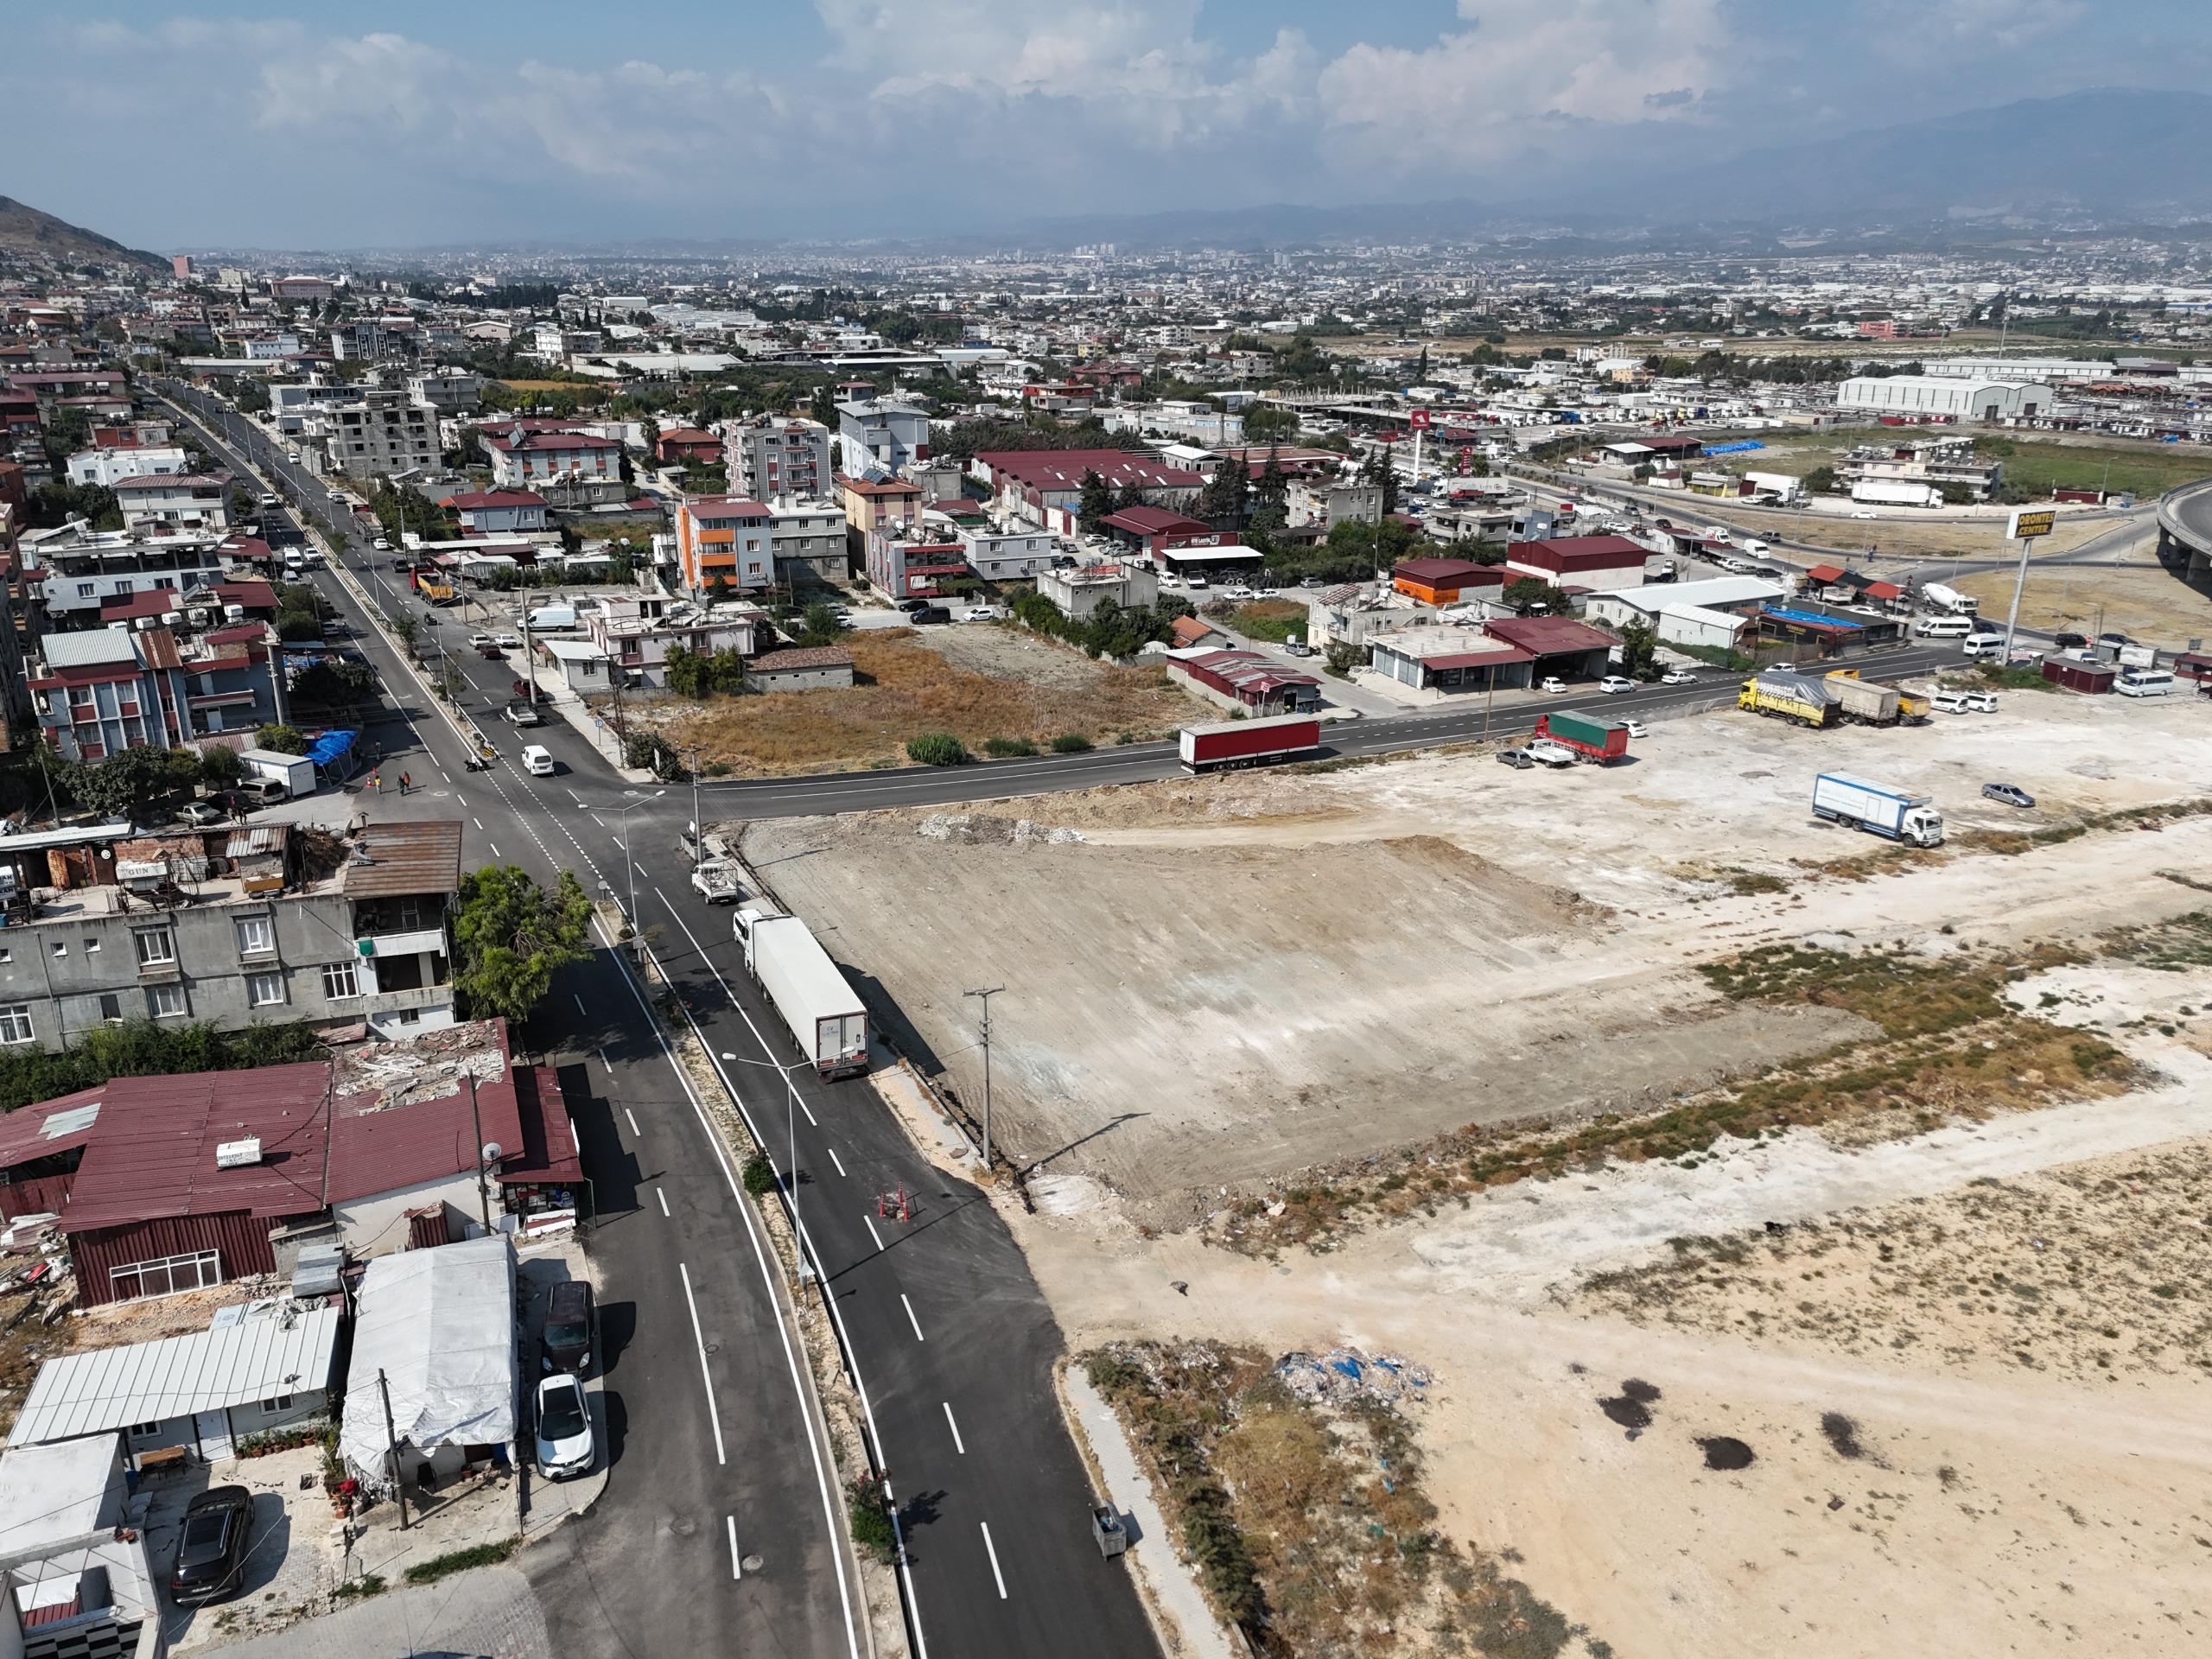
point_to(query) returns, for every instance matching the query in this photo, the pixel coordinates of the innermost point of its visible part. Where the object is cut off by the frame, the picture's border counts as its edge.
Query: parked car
(490, 653)
(1678, 677)
(1553, 683)
(219, 808)
(1865, 515)
(2068, 641)
(1312, 581)
(566, 1345)
(211, 1556)
(521, 712)
(260, 792)
(1615, 684)
(507, 641)
(2010, 794)
(1981, 702)
(1519, 760)
(928, 615)
(565, 1444)
(523, 690)
(482, 639)
(1635, 728)
(978, 614)
(910, 605)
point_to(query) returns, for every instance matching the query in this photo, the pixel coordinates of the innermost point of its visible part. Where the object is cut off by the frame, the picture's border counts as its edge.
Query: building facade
(767, 457)
(727, 536)
(384, 433)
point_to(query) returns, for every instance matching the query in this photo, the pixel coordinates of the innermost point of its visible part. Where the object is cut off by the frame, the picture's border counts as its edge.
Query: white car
(1634, 729)
(538, 760)
(507, 641)
(1678, 677)
(1717, 532)
(382, 544)
(1865, 515)
(1614, 684)
(1241, 592)
(482, 639)
(565, 1443)
(1554, 684)
(978, 614)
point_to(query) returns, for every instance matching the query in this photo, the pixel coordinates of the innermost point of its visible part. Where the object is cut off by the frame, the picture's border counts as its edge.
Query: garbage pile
(984, 829)
(1343, 1376)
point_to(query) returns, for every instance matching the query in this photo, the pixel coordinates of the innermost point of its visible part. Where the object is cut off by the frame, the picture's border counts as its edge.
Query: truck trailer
(1802, 699)
(827, 1020)
(1872, 702)
(1232, 743)
(1882, 809)
(1595, 740)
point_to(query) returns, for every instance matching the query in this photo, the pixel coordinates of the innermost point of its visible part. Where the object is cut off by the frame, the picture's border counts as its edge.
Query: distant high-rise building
(181, 264)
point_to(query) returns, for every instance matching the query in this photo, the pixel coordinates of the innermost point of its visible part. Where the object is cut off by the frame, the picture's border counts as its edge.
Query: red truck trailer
(1231, 743)
(1594, 739)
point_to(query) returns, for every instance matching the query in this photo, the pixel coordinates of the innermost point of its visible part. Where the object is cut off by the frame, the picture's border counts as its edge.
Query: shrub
(937, 749)
(1006, 746)
(759, 1175)
(460, 1561)
(1070, 743)
(870, 1514)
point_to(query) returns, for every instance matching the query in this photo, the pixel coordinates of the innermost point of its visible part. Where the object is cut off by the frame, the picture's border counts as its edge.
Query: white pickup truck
(717, 881)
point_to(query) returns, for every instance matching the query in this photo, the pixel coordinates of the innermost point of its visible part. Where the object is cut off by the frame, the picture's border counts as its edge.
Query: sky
(491, 122)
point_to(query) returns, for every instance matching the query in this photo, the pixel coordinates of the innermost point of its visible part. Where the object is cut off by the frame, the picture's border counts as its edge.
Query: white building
(382, 433)
(1003, 555)
(107, 466)
(877, 438)
(176, 500)
(1945, 397)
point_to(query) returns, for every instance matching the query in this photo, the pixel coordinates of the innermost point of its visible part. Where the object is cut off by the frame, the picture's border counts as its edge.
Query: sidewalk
(489, 1613)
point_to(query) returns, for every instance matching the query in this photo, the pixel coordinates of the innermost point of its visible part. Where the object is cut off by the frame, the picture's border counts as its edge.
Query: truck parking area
(1230, 978)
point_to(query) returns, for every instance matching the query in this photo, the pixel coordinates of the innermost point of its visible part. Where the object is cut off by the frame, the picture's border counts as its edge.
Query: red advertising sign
(1418, 420)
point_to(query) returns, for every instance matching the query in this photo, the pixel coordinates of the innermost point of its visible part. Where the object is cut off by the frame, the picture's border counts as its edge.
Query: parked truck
(1949, 601)
(1883, 809)
(1874, 702)
(1231, 743)
(717, 880)
(827, 1020)
(1779, 694)
(1595, 740)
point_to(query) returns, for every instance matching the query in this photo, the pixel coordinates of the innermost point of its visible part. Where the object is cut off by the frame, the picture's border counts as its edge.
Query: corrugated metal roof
(255, 841)
(404, 858)
(93, 647)
(51, 1126)
(283, 1350)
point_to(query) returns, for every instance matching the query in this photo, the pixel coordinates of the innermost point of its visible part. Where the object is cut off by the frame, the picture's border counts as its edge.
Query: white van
(2145, 682)
(1949, 702)
(1983, 644)
(538, 760)
(1943, 627)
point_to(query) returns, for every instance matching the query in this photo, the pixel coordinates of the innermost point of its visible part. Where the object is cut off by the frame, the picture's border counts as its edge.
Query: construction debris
(1344, 1375)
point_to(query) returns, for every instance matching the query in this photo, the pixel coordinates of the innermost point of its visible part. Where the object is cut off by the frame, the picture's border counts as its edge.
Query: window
(166, 1276)
(257, 935)
(166, 1001)
(156, 947)
(145, 1430)
(338, 981)
(91, 947)
(87, 589)
(6, 955)
(110, 1006)
(265, 990)
(16, 1023)
(61, 947)
(282, 1403)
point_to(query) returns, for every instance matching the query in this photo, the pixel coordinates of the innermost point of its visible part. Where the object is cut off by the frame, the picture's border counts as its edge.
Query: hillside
(25, 230)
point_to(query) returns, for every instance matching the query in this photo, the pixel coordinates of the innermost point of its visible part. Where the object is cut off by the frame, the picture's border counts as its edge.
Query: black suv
(211, 1556)
(929, 613)
(566, 1345)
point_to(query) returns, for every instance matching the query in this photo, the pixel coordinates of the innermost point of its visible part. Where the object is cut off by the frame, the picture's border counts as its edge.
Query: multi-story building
(291, 407)
(1002, 554)
(635, 635)
(497, 512)
(73, 570)
(521, 458)
(382, 434)
(767, 457)
(876, 437)
(724, 536)
(808, 539)
(910, 560)
(102, 691)
(185, 501)
(1329, 503)
(234, 926)
(448, 390)
(105, 467)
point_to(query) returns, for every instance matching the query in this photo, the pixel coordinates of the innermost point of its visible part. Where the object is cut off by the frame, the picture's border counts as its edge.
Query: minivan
(566, 1345)
(1943, 627)
(1949, 702)
(1983, 644)
(538, 760)
(2144, 682)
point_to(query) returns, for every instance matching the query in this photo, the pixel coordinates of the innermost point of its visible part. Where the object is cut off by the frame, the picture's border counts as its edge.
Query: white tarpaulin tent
(440, 1324)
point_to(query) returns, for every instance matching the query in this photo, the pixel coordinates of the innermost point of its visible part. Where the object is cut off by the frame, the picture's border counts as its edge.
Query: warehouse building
(1930, 397)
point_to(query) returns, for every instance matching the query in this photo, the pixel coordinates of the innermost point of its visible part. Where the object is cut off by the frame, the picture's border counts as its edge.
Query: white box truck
(294, 772)
(826, 1018)
(1881, 808)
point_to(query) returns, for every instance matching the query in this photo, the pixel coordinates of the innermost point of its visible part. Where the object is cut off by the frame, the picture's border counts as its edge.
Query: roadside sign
(1418, 420)
(2030, 522)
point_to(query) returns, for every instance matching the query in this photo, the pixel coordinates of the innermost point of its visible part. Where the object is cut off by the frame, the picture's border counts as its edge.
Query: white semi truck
(826, 1018)
(1881, 809)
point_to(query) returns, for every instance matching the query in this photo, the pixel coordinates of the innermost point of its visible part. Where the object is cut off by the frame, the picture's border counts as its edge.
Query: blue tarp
(330, 746)
(1735, 449)
(1808, 619)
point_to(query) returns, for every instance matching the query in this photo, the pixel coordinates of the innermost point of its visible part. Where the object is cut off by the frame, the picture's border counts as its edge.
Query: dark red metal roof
(549, 1156)
(378, 1149)
(1547, 636)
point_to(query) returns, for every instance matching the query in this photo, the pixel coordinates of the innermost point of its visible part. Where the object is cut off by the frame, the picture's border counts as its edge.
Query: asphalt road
(2193, 511)
(951, 1340)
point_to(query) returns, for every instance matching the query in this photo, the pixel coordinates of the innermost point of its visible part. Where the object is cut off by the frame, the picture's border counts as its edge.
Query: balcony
(403, 944)
(376, 1003)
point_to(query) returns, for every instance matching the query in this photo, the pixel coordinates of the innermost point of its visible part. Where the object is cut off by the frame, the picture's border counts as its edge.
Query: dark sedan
(211, 1557)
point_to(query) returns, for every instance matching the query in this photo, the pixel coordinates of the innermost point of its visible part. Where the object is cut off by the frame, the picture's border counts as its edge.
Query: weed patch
(460, 1561)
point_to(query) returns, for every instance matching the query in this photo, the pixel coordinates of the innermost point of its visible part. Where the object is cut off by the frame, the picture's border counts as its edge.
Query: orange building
(1440, 582)
(724, 536)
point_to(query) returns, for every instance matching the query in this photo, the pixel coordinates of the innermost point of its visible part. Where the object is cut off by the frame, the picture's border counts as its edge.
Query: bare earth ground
(2136, 597)
(1204, 999)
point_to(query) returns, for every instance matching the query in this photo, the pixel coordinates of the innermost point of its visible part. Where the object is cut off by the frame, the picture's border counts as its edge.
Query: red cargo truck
(1594, 739)
(1232, 743)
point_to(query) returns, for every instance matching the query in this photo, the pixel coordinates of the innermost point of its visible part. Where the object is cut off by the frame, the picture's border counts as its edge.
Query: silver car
(566, 1446)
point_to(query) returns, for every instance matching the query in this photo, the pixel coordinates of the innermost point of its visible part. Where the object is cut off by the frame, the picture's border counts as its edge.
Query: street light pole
(699, 829)
(791, 1130)
(987, 994)
(642, 800)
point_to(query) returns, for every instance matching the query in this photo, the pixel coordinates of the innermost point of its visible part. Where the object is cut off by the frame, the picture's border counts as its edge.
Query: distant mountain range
(24, 229)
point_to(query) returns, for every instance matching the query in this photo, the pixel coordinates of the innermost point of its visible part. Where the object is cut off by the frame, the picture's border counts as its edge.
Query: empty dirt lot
(1228, 979)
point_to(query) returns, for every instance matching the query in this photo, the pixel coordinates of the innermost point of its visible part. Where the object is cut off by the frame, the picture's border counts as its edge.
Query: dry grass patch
(904, 688)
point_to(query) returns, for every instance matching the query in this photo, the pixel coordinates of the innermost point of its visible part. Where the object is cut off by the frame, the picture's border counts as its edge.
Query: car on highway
(1554, 685)
(1614, 685)
(210, 1553)
(2068, 641)
(565, 1445)
(338, 496)
(2010, 794)
(519, 713)
(1865, 515)
(1519, 760)
(269, 502)
(292, 455)
(1678, 677)
(538, 760)
(2115, 640)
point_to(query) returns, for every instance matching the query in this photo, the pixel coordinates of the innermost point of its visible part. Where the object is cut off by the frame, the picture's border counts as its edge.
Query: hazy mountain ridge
(26, 229)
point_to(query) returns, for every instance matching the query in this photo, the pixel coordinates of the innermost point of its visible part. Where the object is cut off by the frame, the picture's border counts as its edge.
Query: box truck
(827, 1020)
(1881, 808)
(1801, 699)
(1231, 743)
(1599, 740)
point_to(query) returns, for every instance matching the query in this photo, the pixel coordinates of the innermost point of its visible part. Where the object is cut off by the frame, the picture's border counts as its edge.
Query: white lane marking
(958, 1445)
(993, 1548)
(834, 1159)
(736, 1566)
(911, 1320)
(444, 773)
(609, 1063)
(640, 869)
(479, 823)
(802, 1106)
(579, 1006)
(494, 846)
(870, 1222)
(663, 1197)
(633, 1116)
(700, 1337)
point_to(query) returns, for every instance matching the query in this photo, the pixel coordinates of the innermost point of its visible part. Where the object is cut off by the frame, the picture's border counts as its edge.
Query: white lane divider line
(633, 1116)
(479, 823)
(993, 1548)
(958, 1445)
(496, 853)
(834, 1159)
(579, 1006)
(699, 1337)
(663, 1197)
(878, 1237)
(810, 1116)
(736, 1566)
(911, 1320)
(609, 1063)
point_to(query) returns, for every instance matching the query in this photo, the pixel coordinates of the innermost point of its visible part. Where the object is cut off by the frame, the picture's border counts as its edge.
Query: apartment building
(767, 457)
(74, 570)
(235, 926)
(384, 433)
(102, 690)
(877, 437)
(636, 635)
(910, 560)
(108, 466)
(808, 539)
(174, 501)
(521, 458)
(724, 536)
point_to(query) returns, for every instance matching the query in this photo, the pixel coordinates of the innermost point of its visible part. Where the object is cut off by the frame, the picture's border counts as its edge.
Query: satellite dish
(492, 1152)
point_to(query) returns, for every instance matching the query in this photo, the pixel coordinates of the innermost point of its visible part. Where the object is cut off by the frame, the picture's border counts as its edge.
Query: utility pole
(987, 995)
(698, 829)
(391, 1448)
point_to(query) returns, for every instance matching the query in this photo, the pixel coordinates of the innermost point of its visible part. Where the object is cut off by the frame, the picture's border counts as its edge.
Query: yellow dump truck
(1801, 699)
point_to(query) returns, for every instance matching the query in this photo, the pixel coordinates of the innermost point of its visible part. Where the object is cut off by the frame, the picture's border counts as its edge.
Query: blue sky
(291, 126)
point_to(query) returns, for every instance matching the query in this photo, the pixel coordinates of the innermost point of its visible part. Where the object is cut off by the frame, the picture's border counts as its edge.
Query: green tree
(1640, 651)
(1096, 503)
(284, 739)
(133, 779)
(1270, 422)
(335, 684)
(1227, 493)
(510, 934)
(818, 626)
(1820, 481)
(1531, 595)
(220, 765)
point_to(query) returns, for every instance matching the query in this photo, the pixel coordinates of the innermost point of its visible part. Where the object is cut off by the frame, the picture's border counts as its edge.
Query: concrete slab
(488, 1614)
(290, 1566)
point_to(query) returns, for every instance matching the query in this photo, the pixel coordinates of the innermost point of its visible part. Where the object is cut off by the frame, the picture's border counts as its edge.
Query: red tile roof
(1152, 521)
(1062, 469)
